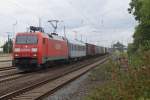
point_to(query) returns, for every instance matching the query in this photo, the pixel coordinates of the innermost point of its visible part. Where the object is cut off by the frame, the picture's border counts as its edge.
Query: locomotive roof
(77, 42)
(27, 33)
(55, 37)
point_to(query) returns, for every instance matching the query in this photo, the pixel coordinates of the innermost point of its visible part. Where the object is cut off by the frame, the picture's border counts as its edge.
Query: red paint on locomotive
(45, 49)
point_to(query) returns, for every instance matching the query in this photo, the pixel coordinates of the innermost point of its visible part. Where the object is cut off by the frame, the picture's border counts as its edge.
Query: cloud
(98, 20)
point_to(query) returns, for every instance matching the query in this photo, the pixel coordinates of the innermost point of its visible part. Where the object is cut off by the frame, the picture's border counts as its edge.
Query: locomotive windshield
(23, 39)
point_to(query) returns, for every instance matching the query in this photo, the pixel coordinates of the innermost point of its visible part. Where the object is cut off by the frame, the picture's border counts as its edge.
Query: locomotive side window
(23, 39)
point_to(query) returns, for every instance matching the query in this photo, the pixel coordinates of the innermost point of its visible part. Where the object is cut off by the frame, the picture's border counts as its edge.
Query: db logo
(57, 46)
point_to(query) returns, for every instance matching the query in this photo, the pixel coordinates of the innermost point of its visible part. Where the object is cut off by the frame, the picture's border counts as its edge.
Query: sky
(101, 22)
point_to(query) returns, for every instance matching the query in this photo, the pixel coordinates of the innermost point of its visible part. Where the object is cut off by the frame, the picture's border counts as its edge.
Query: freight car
(98, 50)
(90, 49)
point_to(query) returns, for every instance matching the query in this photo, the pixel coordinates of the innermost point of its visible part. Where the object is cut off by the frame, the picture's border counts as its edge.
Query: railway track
(6, 73)
(39, 89)
(14, 75)
(7, 68)
(9, 77)
(6, 65)
(5, 60)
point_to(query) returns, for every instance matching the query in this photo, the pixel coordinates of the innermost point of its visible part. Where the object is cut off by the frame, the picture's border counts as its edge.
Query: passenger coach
(77, 49)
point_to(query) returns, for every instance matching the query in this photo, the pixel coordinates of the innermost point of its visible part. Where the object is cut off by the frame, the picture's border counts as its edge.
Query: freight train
(35, 49)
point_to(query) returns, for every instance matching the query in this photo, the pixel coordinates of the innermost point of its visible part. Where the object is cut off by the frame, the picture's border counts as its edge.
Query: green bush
(130, 84)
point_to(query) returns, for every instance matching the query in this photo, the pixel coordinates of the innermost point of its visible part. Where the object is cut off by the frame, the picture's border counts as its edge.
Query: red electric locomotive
(34, 49)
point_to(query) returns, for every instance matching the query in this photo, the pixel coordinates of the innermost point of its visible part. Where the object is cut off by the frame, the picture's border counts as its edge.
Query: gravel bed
(76, 90)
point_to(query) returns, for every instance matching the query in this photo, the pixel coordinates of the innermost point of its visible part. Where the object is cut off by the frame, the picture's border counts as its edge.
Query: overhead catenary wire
(88, 20)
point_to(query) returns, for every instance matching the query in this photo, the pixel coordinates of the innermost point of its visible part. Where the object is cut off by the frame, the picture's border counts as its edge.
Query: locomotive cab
(25, 51)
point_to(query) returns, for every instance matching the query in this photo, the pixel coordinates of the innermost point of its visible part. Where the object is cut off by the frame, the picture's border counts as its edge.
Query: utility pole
(54, 24)
(39, 22)
(64, 31)
(8, 41)
(86, 39)
(81, 37)
(14, 28)
(8, 44)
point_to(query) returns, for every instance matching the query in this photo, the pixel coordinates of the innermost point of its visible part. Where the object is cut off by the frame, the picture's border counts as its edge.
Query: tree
(141, 10)
(7, 47)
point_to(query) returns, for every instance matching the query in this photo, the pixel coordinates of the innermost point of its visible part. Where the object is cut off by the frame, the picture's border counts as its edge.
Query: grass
(120, 84)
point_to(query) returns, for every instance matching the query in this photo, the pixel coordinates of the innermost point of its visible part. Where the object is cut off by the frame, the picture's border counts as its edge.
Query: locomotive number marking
(25, 49)
(57, 46)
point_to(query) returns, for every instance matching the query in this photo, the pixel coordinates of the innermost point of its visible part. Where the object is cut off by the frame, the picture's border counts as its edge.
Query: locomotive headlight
(34, 49)
(17, 49)
(34, 55)
(16, 55)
